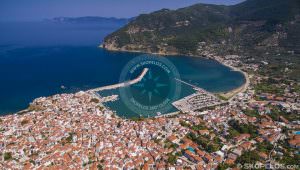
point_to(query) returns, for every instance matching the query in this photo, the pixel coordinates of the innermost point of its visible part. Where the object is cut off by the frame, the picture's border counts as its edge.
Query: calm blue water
(122, 110)
(297, 133)
(36, 59)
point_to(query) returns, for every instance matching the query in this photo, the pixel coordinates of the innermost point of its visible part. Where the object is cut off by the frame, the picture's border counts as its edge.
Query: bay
(41, 59)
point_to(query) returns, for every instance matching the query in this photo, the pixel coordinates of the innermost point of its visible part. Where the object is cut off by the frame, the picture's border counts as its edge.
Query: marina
(195, 103)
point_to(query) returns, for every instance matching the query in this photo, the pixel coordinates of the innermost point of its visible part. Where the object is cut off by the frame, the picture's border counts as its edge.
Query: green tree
(248, 157)
(7, 156)
(172, 159)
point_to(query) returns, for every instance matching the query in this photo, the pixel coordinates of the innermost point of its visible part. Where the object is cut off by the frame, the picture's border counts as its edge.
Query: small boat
(158, 113)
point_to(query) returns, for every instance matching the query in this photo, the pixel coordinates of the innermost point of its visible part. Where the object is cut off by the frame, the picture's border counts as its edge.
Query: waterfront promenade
(123, 84)
(168, 114)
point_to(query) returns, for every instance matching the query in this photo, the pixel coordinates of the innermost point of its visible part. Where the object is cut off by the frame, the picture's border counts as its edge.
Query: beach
(227, 94)
(232, 93)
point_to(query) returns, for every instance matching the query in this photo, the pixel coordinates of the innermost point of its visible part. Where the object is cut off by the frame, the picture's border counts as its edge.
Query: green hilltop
(253, 28)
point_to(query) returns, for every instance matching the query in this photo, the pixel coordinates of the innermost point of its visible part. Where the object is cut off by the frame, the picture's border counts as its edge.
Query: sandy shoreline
(232, 93)
(228, 94)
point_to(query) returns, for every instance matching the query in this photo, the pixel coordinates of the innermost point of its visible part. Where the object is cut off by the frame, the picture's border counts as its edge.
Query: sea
(43, 58)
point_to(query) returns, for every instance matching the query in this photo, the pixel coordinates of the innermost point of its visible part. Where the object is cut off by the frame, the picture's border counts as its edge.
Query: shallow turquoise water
(191, 149)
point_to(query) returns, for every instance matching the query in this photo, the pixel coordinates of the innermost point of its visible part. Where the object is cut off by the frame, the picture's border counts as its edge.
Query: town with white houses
(76, 131)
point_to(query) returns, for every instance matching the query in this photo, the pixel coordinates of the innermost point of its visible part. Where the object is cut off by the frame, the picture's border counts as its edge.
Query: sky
(26, 10)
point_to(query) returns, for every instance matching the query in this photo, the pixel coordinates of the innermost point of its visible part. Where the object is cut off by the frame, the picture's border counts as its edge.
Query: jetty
(195, 87)
(124, 84)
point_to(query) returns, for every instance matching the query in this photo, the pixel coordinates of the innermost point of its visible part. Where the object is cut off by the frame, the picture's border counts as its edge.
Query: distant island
(91, 19)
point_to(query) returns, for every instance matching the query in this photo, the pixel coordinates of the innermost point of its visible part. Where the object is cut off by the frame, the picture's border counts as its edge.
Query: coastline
(228, 95)
(232, 93)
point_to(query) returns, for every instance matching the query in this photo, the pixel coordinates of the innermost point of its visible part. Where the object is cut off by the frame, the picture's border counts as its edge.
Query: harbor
(196, 102)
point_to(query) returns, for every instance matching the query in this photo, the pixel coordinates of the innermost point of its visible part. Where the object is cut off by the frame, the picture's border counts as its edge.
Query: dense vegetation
(205, 142)
(267, 30)
(243, 128)
(185, 27)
